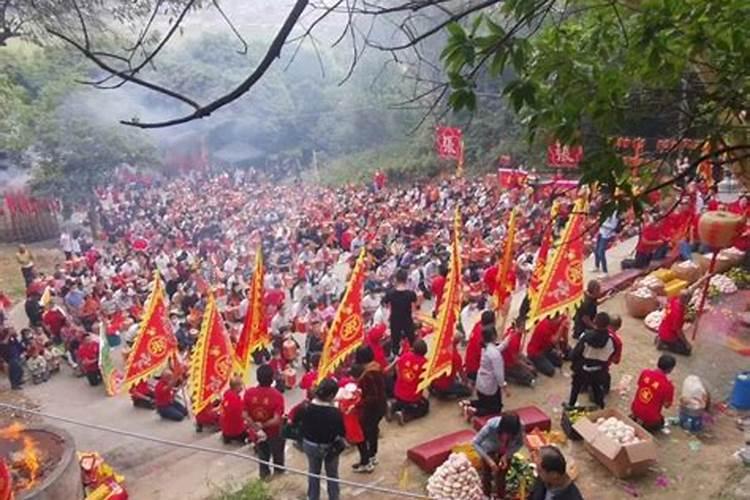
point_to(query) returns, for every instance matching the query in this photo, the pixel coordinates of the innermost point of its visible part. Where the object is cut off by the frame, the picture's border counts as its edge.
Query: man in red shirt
(232, 420)
(655, 391)
(88, 358)
(453, 384)
(53, 319)
(474, 346)
(164, 398)
(648, 243)
(438, 285)
(518, 369)
(671, 337)
(410, 404)
(265, 407)
(542, 348)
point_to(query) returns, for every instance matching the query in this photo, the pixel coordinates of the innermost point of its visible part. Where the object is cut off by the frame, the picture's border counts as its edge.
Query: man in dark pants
(402, 302)
(584, 317)
(374, 404)
(590, 361)
(11, 351)
(265, 407)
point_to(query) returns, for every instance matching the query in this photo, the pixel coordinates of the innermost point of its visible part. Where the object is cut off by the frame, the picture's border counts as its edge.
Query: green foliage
(255, 489)
(581, 76)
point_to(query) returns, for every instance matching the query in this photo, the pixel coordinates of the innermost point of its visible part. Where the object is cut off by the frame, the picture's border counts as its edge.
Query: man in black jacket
(553, 482)
(590, 361)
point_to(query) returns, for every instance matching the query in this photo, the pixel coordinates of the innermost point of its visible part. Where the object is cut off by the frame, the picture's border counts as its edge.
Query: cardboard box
(622, 460)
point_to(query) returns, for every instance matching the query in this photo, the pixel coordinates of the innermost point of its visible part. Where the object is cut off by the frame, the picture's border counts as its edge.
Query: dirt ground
(700, 467)
(46, 257)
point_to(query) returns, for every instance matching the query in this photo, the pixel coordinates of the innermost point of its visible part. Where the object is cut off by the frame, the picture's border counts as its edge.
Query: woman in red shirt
(164, 397)
(518, 369)
(474, 347)
(542, 348)
(671, 337)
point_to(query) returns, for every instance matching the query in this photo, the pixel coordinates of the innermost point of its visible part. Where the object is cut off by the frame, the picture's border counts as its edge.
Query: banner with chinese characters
(154, 343)
(254, 334)
(347, 330)
(440, 354)
(504, 285)
(111, 376)
(562, 156)
(211, 362)
(561, 289)
(540, 265)
(449, 143)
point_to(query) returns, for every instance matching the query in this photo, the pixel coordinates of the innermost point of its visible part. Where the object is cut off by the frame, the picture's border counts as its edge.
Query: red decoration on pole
(448, 143)
(562, 156)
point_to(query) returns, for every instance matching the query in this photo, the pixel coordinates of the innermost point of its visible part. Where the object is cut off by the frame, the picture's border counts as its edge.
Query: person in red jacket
(53, 320)
(88, 358)
(543, 345)
(655, 391)
(474, 347)
(518, 369)
(452, 385)
(167, 405)
(438, 285)
(615, 323)
(232, 420)
(671, 337)
(409, 402)
(374, 340)
(265, 407)
(142, 395)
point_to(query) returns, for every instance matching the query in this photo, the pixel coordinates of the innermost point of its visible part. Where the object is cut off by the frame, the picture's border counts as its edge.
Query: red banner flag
(347, 330)
(561, 289)
(211, 362)
(254, 333)
(155, 342)
(440, 354)
(562, 156)
(449, 143)
(503, 284)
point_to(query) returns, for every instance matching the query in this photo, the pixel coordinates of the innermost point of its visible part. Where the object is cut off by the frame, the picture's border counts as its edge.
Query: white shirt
(491, 374)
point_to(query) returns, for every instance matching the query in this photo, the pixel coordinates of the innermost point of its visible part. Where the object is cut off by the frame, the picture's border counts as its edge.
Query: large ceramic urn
(718, 229)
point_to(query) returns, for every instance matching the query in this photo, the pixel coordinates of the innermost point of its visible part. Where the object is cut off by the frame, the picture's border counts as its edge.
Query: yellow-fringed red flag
(155, 342)
(347, 330)
(504, 285)
(561, 289)
(254, 334)
(440, 354)
(211, 362)
(535, 282)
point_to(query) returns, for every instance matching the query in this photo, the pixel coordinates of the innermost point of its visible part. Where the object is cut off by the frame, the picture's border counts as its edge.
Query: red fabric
(490, 278)
(617, 341)
(207, 416)
(274, 297)
(88, 356)
(350, 413)
(511, 352)
(262, 403)
(650, 238)
(474, 349)
(655, 391)
(430, 455)
(543, 337)
(232, 422)
(436, 287)
(141, 390)
(409, 368)
(163, 394)
(674, 318)
(54, 320)
(308, 380)
(446, 381)
(373, 339)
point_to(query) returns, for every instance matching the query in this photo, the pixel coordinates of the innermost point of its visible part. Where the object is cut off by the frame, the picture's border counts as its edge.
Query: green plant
(254, 489)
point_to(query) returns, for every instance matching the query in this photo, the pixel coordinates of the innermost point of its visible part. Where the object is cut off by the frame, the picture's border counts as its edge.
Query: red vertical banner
(562, 156)
(449, 143)
(254, 333)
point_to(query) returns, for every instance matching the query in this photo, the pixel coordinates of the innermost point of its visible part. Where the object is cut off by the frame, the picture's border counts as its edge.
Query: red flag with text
(449, 143)
(254, 334)
(503, 284)
(562, 156)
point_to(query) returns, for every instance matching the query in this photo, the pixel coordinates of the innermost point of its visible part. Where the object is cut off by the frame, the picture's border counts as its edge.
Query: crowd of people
(201, 233)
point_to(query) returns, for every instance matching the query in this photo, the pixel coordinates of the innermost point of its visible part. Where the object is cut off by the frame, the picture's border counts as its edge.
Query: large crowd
(201, 233)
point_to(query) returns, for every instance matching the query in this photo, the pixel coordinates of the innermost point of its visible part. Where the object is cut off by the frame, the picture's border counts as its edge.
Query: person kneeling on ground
(208, 417)
(542, 349)
(409, 402)
(490, 378)
(142, 395)
(496, 443)
(164, 396)
(553, 482)
(671, 337)
(518, 369)
(232, 419)
(452, 385)
(655, 391)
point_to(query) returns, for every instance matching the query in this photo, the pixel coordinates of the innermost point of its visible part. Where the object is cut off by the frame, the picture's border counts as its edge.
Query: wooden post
(702, 304)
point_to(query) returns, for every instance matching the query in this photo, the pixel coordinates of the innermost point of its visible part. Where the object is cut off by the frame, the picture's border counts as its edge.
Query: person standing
(604, 236)
(495, 443)
(584, 317)
(372, 407)
(26, 261)
(590, 361)
(655, 391)
(11, 352)
(265, 408)
(323, 439)
(403, 303)
(88, 359)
